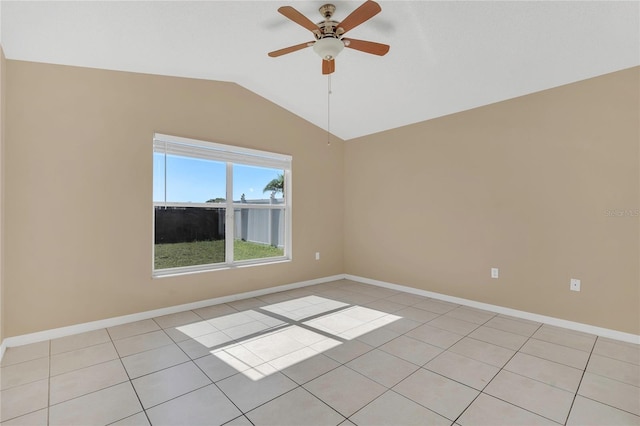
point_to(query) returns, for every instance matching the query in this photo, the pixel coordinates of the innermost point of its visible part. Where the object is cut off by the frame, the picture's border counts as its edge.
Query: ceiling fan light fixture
(328, 48)
(328, 34)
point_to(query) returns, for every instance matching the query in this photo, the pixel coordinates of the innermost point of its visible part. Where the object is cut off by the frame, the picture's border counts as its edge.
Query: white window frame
(230, 155)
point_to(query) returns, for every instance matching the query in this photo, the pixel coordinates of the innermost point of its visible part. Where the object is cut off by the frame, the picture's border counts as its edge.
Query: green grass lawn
(204, 252)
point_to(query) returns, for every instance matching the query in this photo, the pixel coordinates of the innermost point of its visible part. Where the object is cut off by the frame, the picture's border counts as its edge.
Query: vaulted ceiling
(445, 57)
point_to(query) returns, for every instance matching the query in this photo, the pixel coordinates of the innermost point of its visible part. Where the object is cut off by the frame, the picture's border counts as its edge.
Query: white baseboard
(111, 322)
(571, 325)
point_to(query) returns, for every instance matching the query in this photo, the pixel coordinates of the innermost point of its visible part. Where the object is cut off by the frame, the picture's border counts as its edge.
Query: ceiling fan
(329, 40)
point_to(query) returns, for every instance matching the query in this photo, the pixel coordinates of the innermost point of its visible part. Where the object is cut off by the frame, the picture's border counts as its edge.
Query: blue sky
(194, 180)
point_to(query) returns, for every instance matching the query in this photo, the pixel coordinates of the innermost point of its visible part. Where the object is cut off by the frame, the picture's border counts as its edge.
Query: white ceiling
(445, 56)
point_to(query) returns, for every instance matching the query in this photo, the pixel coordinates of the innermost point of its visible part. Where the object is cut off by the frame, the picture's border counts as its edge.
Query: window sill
(188, 270)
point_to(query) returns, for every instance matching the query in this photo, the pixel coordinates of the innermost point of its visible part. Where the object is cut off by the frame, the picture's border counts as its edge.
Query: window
(218, 206)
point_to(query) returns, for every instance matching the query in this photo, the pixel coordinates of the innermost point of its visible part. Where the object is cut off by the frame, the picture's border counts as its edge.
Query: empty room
(308, 213)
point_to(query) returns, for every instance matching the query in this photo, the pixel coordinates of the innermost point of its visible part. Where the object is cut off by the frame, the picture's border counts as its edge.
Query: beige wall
(523, 185)
(2, 97)
(79, 181)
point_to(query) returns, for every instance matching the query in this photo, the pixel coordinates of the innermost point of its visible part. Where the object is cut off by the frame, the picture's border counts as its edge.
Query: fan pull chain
(329, 109)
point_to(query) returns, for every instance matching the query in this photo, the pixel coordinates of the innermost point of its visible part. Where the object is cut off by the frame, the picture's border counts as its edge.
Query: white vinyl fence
(260, 225)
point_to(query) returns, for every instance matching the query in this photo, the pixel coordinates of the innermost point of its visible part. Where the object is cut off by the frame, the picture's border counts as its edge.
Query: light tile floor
(341, 353)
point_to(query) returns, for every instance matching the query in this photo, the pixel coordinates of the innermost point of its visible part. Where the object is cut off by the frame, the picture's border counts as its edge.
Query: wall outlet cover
(574, 285)
(495, 272)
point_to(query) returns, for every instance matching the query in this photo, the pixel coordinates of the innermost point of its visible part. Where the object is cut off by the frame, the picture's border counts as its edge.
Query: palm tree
(276, 185)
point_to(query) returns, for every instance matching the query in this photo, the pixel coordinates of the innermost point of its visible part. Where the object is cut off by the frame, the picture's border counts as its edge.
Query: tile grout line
(384, 298)
(189, 360)
(344, 364)
(575, 395)
(422, 366)
(390, 389)
(171, 399)
(539, 381)
(518, 351)
(172, 342)
(551, 343)
(340, 364)
(236, 418)
(560, 344)
(402, 396)
(620, 360)
(49, 388)
(291, 390)
(220, 389)
(611, 406)
(192, 360)
(613, 379)
(213, 383)
(88, 393)
(496, 375)
(48, 379)
(129, 377)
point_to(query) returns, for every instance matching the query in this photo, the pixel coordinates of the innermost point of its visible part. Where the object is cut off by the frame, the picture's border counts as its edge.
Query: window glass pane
(192, 180)
(188, 236)
(191, 201)
(258, 233)
(257, 184)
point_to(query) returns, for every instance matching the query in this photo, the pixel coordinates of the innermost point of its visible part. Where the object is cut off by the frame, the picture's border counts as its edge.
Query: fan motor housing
(328, 28)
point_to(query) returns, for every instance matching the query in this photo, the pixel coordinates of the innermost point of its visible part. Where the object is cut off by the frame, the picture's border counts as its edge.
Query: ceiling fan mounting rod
(327, 10)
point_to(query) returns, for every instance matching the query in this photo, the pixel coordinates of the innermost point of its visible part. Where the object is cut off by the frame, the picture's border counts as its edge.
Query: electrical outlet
(495, 272)
(317, 255)
(574, 285)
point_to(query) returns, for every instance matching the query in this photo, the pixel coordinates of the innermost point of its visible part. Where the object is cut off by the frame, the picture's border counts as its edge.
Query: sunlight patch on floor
(281, 335)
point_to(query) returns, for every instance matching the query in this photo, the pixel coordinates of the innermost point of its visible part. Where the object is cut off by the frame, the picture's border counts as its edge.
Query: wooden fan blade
(328, 67)
(366, 11)
(289, 49)
(366, 46)
(298, 18)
